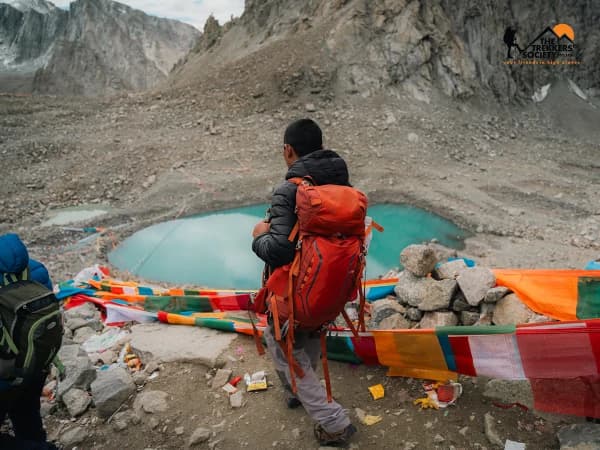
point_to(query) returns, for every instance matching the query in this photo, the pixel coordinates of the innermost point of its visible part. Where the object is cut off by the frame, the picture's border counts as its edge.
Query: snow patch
(576, 90)
(541, 93)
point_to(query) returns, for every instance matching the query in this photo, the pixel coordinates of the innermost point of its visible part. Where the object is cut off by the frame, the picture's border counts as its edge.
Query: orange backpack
(326, 272)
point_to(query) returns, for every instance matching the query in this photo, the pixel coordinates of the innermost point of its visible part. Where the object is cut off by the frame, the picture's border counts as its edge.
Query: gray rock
(510, 311)
(75, 323)
(199, 436)
(394, 322)
(221, 378)
(76, 401)
(79, 370)
(140, 378)
(382, 309)
(449, 270)
(165, 343)
(122, 419)
(67, 335)
(179, 431)
(151, 402)
(110, 389)
(496, 294)
(83, 334)
(442, 252)
(474, 282)
(580, 436)
(438, 319)
(85, 311)
(490, 431)
(47, 408)
(296, 433)
(236, 400)
(153, 423)
(509, 391)
(151, 367)
(73, 436)
(310, 107)
(539, 318)
(418, 259)
(414, 314)
(425, 293)
(469, 317)
(68, 354)
(460, 304)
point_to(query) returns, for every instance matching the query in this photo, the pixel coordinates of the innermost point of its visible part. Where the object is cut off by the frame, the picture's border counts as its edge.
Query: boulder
(511, 311)
(76, 401)
(79, 370)
(418, 259)
(449, 270)
(426, 294)
(495, 294)
(475, 282)
(381, 309)
(414, 314)
(83, 334)
(151, 402)
(110, 389)
(394, 322)
(73, 436)
(579, 436)
(438, 319)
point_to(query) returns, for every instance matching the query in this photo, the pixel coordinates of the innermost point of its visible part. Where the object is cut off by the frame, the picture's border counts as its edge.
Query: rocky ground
(523, 185)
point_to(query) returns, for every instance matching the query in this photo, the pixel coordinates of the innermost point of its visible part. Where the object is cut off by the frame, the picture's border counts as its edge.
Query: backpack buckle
(299, 244)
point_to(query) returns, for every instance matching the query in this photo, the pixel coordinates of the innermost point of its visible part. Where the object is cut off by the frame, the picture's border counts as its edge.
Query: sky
(194, 12)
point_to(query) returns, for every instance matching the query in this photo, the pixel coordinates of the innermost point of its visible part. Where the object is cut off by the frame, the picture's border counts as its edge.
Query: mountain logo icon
(553, 46)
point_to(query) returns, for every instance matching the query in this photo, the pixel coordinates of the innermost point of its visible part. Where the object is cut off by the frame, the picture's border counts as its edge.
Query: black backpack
(30, 328)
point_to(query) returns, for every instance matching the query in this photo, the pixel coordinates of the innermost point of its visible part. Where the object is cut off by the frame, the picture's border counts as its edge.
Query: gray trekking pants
(307, 353)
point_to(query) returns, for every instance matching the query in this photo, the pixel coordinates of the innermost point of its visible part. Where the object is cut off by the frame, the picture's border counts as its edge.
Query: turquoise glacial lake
(215, 249)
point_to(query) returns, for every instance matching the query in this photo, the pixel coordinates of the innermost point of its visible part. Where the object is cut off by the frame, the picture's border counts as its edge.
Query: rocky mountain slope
(96, 47)
(420, 47)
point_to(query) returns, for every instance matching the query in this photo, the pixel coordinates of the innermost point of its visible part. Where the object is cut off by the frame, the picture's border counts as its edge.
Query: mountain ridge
(96, 47)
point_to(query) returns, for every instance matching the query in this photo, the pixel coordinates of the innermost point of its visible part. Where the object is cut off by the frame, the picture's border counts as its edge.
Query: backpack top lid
(330, 209)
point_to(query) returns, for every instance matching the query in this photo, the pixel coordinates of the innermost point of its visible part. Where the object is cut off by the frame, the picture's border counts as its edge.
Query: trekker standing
(21, 402)
(304, 155)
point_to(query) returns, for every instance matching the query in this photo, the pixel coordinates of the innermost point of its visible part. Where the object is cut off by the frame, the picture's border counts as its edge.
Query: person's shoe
(293, 402)
(339, 439)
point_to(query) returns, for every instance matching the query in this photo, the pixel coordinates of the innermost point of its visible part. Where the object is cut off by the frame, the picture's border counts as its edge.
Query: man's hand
(261, 228)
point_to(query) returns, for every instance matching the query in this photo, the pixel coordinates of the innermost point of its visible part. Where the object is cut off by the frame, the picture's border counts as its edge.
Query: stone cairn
(429, 294)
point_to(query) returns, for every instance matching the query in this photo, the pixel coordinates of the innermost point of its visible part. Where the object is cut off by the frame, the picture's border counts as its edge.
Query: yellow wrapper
(377, 391)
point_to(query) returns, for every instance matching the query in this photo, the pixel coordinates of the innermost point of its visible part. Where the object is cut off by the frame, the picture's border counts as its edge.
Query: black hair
(304, 136)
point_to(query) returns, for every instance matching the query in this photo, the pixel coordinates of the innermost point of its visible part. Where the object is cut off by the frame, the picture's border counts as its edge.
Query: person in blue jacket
(22, 404)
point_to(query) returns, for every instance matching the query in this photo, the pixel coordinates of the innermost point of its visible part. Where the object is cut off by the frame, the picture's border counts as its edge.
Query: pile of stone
(90, 378)
(433, 291)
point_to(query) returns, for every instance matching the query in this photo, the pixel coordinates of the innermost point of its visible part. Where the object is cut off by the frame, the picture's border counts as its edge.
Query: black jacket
(325, 167)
